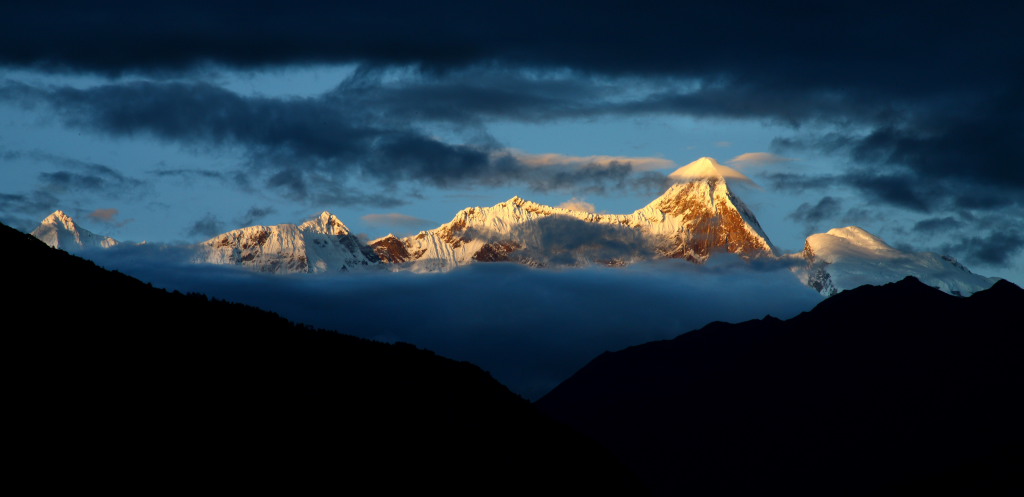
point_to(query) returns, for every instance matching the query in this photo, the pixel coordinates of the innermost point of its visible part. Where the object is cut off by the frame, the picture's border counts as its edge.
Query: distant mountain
(322, 244)
(59, 231)
(698, 216)
(882, 390)
(846, 258)
(114, 384)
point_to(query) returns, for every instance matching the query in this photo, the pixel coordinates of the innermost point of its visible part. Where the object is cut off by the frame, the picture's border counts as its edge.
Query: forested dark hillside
(116, 385)
(892, 390)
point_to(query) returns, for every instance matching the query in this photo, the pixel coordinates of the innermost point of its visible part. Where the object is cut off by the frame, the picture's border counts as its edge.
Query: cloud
(397, 221)
(994, 249)
(819, 48)
(546, 160)
(252, 215)
(694, 170)
(24, 211)
(208, 226)
(813, 215)
(79, 176)
(307, 148)
(37, 201)
(188, 174)
(752, 159)
(901, 190)
(530, 328)
(914, 101)
(578, 205)
(799, 183)
(103, 215)
(936, 225)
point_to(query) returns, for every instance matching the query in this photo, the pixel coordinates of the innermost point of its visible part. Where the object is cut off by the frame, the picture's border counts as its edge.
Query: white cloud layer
(753, 159)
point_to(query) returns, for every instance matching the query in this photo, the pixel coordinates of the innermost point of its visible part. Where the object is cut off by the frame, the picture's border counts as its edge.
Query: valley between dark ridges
(122, 386)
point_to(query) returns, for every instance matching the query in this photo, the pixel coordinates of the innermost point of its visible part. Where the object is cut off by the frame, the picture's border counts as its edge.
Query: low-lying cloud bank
(530, 328)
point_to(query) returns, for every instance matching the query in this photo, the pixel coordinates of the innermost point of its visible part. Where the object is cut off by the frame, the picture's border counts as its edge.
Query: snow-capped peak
(321, 244)
(58, 230)
(859, 237)
(849, 257)
(705, 168)
(325, 223)
(59, 217)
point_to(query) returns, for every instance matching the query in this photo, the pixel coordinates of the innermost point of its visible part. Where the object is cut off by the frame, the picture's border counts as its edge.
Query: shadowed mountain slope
(898, 389)
(120, 386)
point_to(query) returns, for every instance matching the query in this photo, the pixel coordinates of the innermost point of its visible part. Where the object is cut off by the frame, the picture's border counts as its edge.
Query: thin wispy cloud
(754, 159)
(578, 205)
(549, 160)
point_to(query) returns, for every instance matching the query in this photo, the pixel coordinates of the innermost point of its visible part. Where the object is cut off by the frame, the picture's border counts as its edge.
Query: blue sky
(171, 124)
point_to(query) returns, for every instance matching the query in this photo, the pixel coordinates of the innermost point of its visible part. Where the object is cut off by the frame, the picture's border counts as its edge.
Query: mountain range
(897, 389)
(698, 216)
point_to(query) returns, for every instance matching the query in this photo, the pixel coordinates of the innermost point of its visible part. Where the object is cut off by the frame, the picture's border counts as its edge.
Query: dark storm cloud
(253, 215)
(937, 225)
(292, 140)
(77, 175)
(927, 91)
(207, 226)
(995, 248)
(307, 147)
(798, 183)
(188, 174)
(24, 211)
(826, 208)
(899, 190)
(530, 328)
(865, 45)
(36, 201)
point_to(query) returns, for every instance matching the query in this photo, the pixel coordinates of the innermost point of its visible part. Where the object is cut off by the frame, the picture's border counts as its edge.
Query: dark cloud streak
(309, 147)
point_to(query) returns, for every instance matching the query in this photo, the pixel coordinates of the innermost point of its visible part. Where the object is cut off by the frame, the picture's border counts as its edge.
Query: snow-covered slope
(322, 244)
(696, 217)
(59, 231)
(846, 258)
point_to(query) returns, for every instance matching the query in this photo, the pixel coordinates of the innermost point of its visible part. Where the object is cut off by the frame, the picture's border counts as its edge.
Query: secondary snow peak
(708, 168)
(845, 258)
(58, 230)
(326, 223)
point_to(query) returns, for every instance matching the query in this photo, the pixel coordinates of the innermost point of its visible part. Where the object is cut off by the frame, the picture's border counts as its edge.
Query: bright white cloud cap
(707, 167)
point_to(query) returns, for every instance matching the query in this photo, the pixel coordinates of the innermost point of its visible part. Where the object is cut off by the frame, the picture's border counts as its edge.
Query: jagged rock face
(705, 217)
(323, 244)
(691, 220)
(817, 277)
(390, 250)
(59, 231)
(846, 258)
(695, 218)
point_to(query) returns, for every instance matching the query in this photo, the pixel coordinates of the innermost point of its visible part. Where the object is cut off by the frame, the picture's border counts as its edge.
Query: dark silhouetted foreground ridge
(115, 385)
(892, 390)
